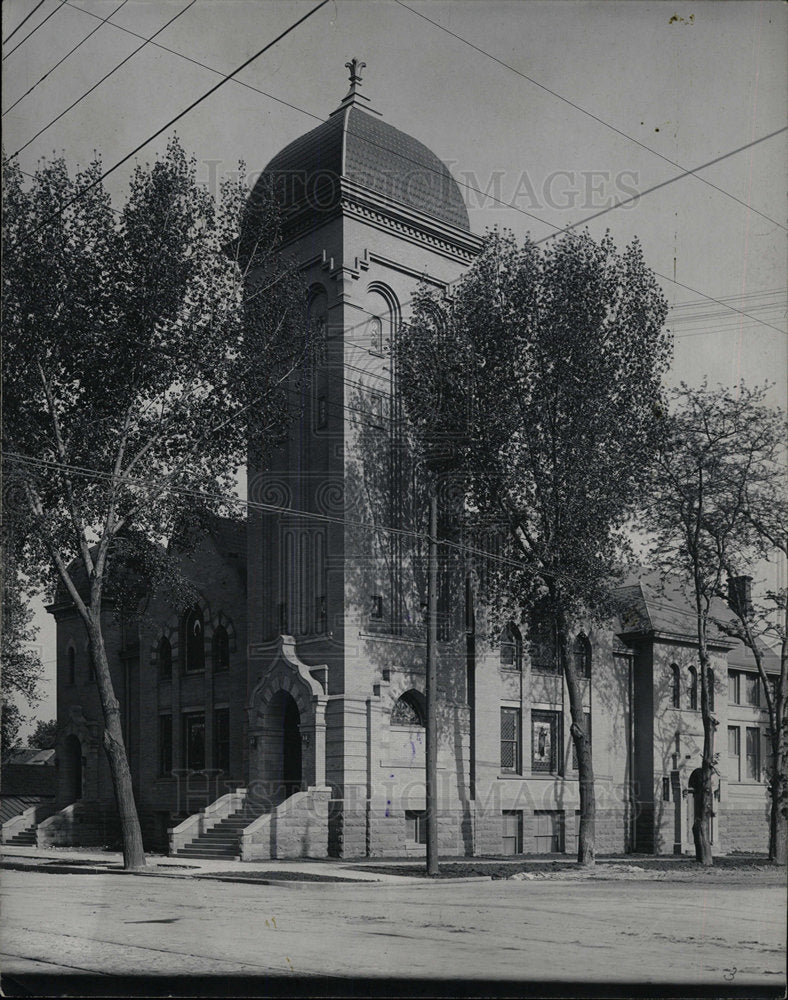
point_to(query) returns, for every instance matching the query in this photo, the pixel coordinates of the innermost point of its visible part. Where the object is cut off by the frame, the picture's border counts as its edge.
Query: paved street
(714, 935)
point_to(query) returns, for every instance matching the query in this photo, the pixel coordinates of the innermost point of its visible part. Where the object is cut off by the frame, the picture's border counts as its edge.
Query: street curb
(196, 873)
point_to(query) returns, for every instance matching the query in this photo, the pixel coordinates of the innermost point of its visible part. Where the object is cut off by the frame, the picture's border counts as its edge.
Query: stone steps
(223, 840)
(26, 838)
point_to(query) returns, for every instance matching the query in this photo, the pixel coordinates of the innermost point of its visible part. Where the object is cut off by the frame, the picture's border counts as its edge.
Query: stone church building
(283, 713)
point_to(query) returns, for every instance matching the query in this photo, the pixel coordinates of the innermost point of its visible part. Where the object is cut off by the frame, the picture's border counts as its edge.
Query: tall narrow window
(710, 687)
(511, 648)
(734, 753)
(194, 640)
(321, 615)
(71, 669)
(675, 685)
(375, 329)
(165, 745)
(752, 689)
(545, 742)
(221, 739)
(753, 754)
(693, 688)
(544, 651)
(734, 687)
(581, 654)
(165, 658)
(194, 740)
(221, 649)
(510, 741)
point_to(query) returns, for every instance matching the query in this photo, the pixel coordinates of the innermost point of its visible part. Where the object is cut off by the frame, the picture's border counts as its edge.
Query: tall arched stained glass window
(194, 640)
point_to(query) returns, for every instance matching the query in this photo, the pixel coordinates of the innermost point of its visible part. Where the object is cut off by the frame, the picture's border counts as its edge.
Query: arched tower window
(511, 654)
(675, 685)
(581, 653)
(165, 658)
(221, 649)
(693, 688)
(409, 710)
(194, 636)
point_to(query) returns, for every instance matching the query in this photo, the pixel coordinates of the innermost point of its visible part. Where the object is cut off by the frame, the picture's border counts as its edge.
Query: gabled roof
(30, 755)
(663, 608)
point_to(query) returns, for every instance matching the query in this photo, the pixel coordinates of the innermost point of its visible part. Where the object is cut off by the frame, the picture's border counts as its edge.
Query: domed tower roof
(356, 147)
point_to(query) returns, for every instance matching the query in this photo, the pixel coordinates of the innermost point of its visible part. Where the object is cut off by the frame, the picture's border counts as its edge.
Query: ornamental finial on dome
(355, 66)
(354, 97)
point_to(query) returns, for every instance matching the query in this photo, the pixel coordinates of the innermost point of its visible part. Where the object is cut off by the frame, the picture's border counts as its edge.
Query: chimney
(740, 595)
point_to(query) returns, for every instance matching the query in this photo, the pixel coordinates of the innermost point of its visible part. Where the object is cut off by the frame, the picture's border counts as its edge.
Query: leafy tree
(10, 724)
(138, 348)
(44, 736)
(763, 621)
(719, 451)
(537, 387)
(21, 664)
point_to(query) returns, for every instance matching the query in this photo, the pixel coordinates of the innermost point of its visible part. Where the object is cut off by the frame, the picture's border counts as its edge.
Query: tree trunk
(114, 745)
(431, 733)
(704, 804)
(585, 766)
(778, 820)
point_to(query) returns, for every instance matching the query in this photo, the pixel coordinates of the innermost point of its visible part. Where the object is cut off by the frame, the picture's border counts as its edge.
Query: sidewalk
(94, 861)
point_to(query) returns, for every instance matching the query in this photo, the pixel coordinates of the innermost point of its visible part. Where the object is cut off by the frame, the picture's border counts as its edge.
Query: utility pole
(431, 781)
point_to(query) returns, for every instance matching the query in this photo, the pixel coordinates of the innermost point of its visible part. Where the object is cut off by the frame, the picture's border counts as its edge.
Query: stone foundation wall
(390, 834)
(347, 829)
(298, 828)
(82, 824)
(745, 829)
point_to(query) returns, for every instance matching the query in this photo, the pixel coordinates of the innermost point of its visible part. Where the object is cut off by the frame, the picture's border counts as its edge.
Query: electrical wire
(260, 506)
(24, 20)
(102, 80)
(70, 52)
(584, 111)
(39, 25)
(180, 115)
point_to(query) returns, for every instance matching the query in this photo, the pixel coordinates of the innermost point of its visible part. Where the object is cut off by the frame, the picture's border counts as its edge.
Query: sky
(556, 108)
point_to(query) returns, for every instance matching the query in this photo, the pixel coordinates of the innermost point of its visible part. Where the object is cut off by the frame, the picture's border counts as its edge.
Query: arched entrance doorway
(283, 745)
(72, 769)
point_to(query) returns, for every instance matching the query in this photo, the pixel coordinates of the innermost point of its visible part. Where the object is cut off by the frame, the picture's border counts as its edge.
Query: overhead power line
(24, 20)
(260, 506)
(465, 184)
(39, 25)
(182, 114)
(103, 21)
(105, 77)
(687, 173)
(558, 229)
(585, 111)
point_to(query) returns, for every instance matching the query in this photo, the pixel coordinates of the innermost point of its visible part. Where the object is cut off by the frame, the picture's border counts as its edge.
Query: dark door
(291, 748)
(72, 769)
